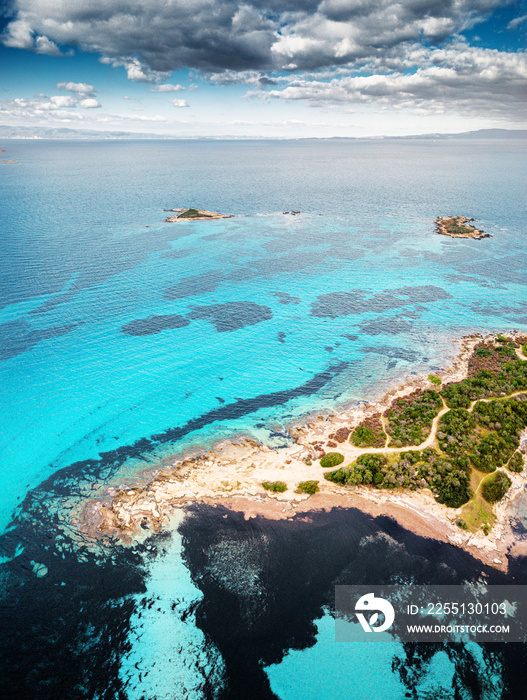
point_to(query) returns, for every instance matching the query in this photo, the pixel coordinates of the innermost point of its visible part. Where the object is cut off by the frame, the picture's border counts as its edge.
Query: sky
(264, 68)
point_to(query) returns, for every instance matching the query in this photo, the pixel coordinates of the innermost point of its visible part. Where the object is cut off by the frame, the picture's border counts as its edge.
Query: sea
(127, 341)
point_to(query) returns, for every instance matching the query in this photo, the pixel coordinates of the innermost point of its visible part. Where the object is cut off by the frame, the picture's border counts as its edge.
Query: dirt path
(495, 398)
(385, 428)
(354, 452)
(390, 450)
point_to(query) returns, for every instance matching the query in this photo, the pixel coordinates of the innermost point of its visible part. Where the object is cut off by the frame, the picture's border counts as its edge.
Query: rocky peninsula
(195, 215)
(443, 455)
(458, 227)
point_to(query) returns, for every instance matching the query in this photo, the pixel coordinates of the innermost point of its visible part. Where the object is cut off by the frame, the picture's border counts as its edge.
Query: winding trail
(495, 398)
(352, 452)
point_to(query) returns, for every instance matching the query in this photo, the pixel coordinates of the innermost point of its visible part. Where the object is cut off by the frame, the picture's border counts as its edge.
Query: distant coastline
(240, 474)
(8, 131)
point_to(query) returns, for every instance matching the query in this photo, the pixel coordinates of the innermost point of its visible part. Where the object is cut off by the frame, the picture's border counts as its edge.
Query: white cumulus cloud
(89, 103)
(81, 89)
(62, 101)
(136, 69)
(45, 46)
(179, 103)
(167, 87)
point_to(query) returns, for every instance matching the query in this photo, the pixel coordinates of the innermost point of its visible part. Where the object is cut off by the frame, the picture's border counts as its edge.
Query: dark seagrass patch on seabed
(176, 254)
(17, 336)
(194, 285)
(284, 298)
(396, 353)
(232, 315)
(386, 326)
(154, 324)
(358, 301)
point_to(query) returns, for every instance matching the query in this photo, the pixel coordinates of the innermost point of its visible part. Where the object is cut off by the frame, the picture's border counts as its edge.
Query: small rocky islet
(191, 214)
(458, 227)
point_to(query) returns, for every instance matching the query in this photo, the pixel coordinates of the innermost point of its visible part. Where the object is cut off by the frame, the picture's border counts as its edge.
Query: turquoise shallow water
(119, 331)
(334, 670)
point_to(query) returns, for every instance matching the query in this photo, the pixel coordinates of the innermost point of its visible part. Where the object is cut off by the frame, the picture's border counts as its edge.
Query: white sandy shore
(232, 472)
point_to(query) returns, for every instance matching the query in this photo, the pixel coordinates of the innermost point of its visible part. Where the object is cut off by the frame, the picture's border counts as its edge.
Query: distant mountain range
(41, 132)
(479, 134)
(34, 132)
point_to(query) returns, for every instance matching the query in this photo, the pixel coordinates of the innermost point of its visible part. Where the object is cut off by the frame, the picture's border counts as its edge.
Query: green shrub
(339, 476)
(501, 338)
(410, 418)
(309, 487)
(452, 487)
(462, 524)
(372, 461)
(363, 436)
(435, 380)
(190, 214)
(516, 462)
(524, 349)
(367, 469)
(509, 417)
(331, 459)
(276, 486)
(412, 456)
(495, 487)
(455, 431)
(486, 528)
(430, 454)
(491, 452)
(369, 433)
(362, 471)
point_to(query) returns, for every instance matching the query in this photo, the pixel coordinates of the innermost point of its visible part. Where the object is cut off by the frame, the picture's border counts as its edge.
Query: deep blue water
(124, 339)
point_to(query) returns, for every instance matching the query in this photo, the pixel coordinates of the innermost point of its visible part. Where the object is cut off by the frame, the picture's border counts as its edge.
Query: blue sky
(264, 68)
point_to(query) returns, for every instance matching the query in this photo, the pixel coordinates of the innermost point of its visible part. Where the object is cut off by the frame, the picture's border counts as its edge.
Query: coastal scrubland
(479, 419)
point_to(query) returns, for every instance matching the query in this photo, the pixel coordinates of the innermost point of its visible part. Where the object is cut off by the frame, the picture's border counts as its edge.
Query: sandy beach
(231, 474)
